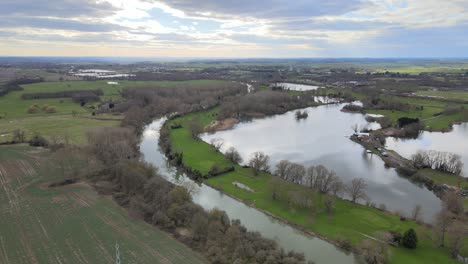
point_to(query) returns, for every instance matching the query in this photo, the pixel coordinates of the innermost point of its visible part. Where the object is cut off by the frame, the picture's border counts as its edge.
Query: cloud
(328, 24)
(57, 23)
(264, 9)
(56, 8)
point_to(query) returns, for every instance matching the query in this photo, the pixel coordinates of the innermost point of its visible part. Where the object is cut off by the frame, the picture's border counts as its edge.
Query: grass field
(13, 109)
(349, 221)
(446, 94)
(430, 108)
(70, 224)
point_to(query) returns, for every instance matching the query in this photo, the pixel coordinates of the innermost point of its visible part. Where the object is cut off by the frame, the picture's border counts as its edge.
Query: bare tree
(444, 220)
(195, 128)
(282, 169)
(416, 213)
(457, 235)
(233, 155)
(19, 136)
(259, 162)
(453, 202)
(356, 189)
(329, 204)
(217, 143)
(374, 252)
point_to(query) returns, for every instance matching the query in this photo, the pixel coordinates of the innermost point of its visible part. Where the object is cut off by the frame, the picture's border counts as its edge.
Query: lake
(323, 138)
(297, 87)
(314, 249)
(455, 141)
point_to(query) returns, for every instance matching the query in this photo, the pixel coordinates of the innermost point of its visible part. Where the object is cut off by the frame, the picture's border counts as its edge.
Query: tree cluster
(144, 103)
(320, 179)
(438, 160)
(138, 186)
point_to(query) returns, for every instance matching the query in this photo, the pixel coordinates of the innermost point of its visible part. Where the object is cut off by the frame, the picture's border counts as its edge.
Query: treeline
(14, 85)
(76, 95)
(264, 103)
(438, 160)
(144, 103)
(321, 179)
(137, 186)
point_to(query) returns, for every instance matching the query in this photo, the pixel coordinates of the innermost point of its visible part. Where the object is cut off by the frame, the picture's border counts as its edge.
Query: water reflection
(314, 249)
(297, 87)
(455, 141)
(323, 139)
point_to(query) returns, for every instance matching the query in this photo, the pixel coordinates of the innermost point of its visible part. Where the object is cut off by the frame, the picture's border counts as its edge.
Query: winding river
(314, 249)
(323, 138)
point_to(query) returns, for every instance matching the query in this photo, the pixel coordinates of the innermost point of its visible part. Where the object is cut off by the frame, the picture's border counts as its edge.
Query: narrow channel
(314, 249)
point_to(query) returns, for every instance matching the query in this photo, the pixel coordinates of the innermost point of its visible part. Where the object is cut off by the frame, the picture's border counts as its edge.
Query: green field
(430, 108)
(13, 109)
(70, 224)
(349, 221)
(446, 94)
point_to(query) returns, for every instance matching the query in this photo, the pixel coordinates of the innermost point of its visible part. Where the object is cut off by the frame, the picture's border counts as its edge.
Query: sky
(237, 29)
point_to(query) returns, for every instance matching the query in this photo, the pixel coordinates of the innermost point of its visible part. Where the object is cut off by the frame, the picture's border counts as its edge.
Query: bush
(33, 109)
(38, 141)
(409, 239)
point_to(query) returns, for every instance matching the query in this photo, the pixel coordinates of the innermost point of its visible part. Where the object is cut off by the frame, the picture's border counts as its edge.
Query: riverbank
(349, 221)
(437, 181)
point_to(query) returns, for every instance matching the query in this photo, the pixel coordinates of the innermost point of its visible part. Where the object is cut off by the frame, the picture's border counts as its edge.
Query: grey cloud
(318, 24)
(64, 24)
(56, 8)
(267, 9)
(249, 38)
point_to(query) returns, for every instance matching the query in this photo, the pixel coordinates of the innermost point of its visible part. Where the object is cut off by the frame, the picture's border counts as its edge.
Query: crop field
(14, 115)
(70, 224)
(349, 221)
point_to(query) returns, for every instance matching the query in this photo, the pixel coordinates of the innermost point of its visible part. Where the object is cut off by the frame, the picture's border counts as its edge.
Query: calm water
(322, 138)
(297, 87)
(319, 251)
(455, 141)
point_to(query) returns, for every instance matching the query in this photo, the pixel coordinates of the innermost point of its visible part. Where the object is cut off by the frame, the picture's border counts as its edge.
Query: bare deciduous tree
(453, 202)
(259, 162)
(416, 213)
(444, 220)
(457, 235)
(357, 190)
(19, 136)
(217, 143)
(195, 128)
(374, 252)
(233, 155)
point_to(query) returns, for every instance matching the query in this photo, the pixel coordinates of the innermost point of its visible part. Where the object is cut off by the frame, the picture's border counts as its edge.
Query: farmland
(70, 119)
(70, 224)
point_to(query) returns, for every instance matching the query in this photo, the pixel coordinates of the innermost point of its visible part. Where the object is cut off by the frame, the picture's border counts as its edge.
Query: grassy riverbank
(349, 221)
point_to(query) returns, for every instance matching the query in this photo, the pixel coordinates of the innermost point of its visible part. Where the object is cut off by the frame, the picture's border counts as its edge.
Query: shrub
(409, 239)
(33, 109)
(38, 141)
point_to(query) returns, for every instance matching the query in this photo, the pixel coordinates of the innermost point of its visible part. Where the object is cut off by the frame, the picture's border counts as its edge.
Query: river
(323, 138)
(455, 141)
(314, 249)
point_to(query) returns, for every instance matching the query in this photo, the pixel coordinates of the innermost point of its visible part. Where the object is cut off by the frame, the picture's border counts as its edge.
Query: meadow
(70, 224)
(349, 221)
(70, 119)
